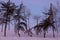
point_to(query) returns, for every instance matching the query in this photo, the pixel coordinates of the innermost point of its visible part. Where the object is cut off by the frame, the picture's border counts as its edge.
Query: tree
(20, 20)
(37, 20)
(51, 18)
(28, 14)
(47, 23)
(9, 8)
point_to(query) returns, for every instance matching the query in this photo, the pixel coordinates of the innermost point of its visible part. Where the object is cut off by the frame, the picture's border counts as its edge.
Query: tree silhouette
(47, 23)
(37, 20)
(28, 14)
(18, 17)
(9, 8)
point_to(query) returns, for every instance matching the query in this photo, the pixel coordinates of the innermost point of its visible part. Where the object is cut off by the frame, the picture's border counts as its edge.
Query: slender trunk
(18, 33)
(37, 28)
(37, 32)
(5, 29)
(18, 29)
(40, 30)
(47, 31)
(56, 23)
(30, 34)
(56, 28)
(9, 27)
(37, 21)
(28, 25)
(44, 34)
(15, 28)
(53, 33)
(2, 28)
(53, 30)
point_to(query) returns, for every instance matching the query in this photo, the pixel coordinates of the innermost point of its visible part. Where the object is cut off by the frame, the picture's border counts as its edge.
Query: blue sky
(36, 7)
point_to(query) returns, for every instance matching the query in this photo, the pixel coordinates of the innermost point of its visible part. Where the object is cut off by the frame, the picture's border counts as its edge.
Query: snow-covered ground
(12, 36)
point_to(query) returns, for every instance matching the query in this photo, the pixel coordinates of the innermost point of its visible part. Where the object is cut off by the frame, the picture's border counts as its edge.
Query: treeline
(20, 16)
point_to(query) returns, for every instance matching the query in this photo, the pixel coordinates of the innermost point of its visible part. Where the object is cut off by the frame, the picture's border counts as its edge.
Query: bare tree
(37, 20)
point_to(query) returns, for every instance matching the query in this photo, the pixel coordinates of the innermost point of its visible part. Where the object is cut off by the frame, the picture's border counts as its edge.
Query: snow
(27, 38)
(12, 36)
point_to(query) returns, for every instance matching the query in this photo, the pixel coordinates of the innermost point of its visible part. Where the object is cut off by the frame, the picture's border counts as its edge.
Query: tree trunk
(56, 23)
(28, 26)
(9, 27)
(53, 33)
(37, 21)
(37, 28)
(15, 29)
(37, 33)
(2, 28)
(5, 29)
(44, 34)
(56, 28)
(18, 33)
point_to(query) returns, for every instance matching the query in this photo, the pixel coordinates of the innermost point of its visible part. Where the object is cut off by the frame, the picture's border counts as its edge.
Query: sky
(36, 7)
